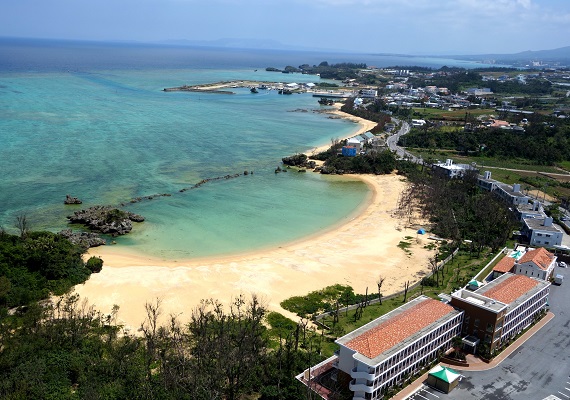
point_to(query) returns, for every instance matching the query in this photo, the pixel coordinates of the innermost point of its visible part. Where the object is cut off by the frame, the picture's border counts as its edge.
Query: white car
(562, 264)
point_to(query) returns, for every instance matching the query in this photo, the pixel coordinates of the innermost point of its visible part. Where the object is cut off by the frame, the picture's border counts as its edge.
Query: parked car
(562, 264)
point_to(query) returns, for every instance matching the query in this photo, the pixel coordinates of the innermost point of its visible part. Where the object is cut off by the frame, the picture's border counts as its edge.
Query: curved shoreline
(355, 253)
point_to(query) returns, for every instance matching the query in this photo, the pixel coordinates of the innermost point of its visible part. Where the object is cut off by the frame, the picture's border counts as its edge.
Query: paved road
(538, 369)
(392, 143)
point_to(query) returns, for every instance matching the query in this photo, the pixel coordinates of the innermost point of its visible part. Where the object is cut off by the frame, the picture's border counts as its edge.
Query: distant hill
(561, 54)
(246, 43)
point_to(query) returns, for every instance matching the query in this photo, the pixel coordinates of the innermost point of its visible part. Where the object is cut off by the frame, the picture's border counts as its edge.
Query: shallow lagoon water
(110, 136)
(91, 120)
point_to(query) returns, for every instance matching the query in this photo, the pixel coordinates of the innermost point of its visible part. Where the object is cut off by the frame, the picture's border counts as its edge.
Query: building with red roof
(501, 309)
(380, 354)
(537, 263)
(505, 265)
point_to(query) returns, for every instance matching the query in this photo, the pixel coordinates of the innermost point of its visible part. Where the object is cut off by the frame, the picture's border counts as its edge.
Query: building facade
(538, 263)
(541, 232)
(394, 346)
(501, 309)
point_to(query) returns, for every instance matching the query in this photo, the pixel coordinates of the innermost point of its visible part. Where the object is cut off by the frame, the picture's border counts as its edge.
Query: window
(476, 323)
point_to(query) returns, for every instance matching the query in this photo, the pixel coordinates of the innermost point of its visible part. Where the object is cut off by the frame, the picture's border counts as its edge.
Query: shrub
(95, 264)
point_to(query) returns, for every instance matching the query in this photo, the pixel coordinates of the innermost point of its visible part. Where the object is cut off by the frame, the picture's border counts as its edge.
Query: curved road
(392, 143)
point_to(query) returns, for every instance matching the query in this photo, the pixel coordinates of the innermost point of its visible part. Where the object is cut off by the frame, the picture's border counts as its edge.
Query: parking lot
(539, 369)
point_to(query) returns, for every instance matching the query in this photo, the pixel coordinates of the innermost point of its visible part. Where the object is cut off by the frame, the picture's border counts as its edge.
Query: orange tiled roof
(511, 288)
(505, 265)
(541, 257)
(497, 123)
(389, 333)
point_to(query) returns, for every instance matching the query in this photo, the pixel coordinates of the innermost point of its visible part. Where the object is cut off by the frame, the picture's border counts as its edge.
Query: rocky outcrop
(299, 160)
(203, 181)
(106, 219)
(71, 200)
(84, 239)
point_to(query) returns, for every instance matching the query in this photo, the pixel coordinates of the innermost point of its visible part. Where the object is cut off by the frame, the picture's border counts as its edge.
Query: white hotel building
(384, 352)
(380, 354)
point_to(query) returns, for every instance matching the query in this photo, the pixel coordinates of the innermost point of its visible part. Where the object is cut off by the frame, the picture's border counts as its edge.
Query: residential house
(538, 263)
(356, 142)
(511, 193)
(451, 170)
(541, 232)
(348, 151)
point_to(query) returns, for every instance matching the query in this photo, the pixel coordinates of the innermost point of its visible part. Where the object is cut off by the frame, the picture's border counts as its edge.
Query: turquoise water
(91, 120)
(109, 136)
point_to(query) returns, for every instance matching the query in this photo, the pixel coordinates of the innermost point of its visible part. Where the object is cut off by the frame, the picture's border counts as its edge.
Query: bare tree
(433, 268)
(23, 225)
(406, 287)
(379, 283)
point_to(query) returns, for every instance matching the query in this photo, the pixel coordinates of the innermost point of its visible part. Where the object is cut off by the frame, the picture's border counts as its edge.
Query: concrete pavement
(476, 364)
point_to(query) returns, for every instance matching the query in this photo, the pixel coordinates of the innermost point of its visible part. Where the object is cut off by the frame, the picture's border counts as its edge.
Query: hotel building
(382, 353)
(501, 309)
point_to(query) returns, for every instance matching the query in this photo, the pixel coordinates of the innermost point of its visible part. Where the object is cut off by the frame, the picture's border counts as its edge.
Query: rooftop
(394, 331)
(541, 257)
(505, 265)
(479, 300)
(510, 190)
(512, 289)
(538, 224)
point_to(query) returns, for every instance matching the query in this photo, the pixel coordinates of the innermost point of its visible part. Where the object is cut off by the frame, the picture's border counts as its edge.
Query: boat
(253, 90)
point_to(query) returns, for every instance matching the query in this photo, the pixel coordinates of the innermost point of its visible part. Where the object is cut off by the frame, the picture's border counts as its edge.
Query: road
(392, 143)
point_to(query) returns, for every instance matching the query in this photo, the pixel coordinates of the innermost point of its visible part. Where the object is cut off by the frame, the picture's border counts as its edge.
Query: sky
(369, 26)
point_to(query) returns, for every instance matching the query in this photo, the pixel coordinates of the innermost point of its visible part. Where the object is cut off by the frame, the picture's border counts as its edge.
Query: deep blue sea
(91, 120)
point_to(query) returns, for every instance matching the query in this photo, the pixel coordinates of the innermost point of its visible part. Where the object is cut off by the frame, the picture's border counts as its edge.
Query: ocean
(91, 120)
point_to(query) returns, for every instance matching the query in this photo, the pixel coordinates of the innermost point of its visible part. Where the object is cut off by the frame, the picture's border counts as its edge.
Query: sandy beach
(355, 253)
(364, 125)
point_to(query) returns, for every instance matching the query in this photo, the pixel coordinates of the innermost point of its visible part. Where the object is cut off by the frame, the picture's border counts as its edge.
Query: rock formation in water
(71, 200)
(106, 219)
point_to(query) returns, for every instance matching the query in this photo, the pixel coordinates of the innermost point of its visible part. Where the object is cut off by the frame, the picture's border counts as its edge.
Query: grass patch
(456, 274)
(404, 245)
(454, 115)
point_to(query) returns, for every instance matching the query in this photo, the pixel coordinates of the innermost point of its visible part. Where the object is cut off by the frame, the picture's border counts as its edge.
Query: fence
(317, 318)
(476, 277)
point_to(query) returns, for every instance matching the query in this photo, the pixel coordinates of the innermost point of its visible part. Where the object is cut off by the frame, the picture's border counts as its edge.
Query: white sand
(364, 126)
(355, 253)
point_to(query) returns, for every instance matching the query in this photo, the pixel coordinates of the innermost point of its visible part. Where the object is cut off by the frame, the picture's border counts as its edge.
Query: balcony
(360, 387)
(354, 374)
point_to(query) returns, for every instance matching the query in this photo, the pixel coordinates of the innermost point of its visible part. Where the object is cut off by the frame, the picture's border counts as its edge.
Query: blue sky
(390, 26)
